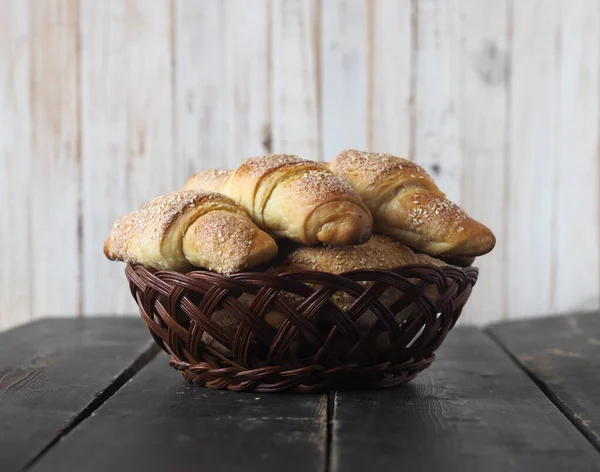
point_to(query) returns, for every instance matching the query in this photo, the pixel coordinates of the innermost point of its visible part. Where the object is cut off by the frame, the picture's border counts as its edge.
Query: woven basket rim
(449, 267)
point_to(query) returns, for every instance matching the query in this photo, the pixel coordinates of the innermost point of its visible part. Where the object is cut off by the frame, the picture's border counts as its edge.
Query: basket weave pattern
(319, 346)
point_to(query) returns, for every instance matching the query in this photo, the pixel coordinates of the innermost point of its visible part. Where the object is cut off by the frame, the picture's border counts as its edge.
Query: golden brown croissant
(190, 228)
(407, 204)
(211, 179)
(294, 198)
(379, 252)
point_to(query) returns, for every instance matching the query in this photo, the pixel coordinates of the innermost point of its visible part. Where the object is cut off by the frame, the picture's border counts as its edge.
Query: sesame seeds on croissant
(187, 229)
(407, 204)
(294, 198)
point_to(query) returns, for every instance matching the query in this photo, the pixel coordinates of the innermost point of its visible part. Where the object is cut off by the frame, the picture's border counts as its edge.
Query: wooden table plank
(160, 422)
(473, 410)
(563, 355)
(54, 371)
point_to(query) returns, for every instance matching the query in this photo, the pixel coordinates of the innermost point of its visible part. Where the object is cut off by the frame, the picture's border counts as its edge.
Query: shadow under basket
(301, 331)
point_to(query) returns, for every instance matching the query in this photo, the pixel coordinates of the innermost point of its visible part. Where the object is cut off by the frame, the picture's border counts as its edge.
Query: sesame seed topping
(447, 214)
(380, 252)
(310, 185)
(223, 233)
(211, 179)
(259, 166)
(370, 166)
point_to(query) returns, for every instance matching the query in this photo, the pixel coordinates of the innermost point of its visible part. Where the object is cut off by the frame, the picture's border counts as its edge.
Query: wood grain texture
(126, 123)
(576, 198)
(199, 108)
(294, 45)
(159, 422)
(51, 370)
(221, 95)
(485, 93)
(344, 75)
(247, 79)
(390, 117)
(473, 410)
(104, 105)
(15, 172)
(532, 158)
(438, 103)
(55, 158)
(563, 355)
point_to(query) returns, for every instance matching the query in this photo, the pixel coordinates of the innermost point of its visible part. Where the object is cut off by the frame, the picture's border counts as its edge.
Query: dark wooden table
(95, 395)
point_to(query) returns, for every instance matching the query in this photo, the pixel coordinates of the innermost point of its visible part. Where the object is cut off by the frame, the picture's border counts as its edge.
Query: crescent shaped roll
(187, 229)
(379, 252)
(294, 198)
(407, 204)
(211, 180)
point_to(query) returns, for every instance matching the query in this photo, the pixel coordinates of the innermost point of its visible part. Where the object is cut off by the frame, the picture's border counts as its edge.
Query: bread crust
(187, 229)
(407, 204)
(294, 198)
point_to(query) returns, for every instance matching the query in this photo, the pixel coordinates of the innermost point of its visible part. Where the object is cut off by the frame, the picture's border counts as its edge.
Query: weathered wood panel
(55, 372)
(126, 126)
(485, 92)
(221, 94)
(575, 193)
(438, 97)
(104, 105)
(15, 171)
(345, 45)
(55, 158)
(563, 355)
(159, 422)
(473, 410)
(294, 44)
(390, 122)
(532, 159)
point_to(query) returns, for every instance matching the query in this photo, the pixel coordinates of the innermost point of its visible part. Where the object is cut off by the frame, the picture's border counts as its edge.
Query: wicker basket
(372, 341)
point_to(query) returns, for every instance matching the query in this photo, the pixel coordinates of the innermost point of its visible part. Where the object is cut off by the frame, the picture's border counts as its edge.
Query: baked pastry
(189, 229)
(379, 252)
(211, 179)
(294, 198)
(407, 204)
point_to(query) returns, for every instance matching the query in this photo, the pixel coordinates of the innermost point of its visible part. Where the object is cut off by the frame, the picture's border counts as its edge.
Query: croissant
(379, 252)
(211, 179)
(407, 204)
(188, 229)
(294, 198)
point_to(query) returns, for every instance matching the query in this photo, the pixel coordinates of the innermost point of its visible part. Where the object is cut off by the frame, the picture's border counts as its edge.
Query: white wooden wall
(106, 104)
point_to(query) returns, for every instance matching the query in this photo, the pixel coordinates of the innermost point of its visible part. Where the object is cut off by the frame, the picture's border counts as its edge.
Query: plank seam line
(546, 390)
(104, 395)
(329, 429)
